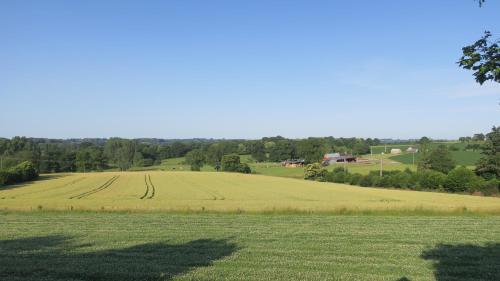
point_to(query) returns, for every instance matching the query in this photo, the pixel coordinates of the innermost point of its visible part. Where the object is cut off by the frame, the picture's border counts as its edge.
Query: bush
(431, 179)
(25, 171)
(315, 172)
(461, 179)
(355, 179)
(367, 180)
(490, 187)
(231, 163)
(244, 168)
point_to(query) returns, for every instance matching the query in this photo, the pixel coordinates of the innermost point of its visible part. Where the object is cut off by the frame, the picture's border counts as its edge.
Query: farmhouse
(412, 150)
(293, 163)
(395, 151)
(330, 158)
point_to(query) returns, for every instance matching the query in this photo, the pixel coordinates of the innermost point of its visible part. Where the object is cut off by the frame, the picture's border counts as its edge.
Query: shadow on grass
(60, 258)
(465, 262)
(27, 183)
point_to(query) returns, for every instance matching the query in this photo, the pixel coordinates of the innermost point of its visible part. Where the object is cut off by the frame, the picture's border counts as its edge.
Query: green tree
(439, 159)
(231, 163)
(311, 150)
(482, 57)
(282, 150)
(258, 151)
(461, 179)
(488, 166)
(138, 160)
(315, 172)
(478, 137)
(195, 158)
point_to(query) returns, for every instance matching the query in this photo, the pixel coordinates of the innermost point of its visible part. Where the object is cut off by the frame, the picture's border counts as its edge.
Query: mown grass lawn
(167, 246)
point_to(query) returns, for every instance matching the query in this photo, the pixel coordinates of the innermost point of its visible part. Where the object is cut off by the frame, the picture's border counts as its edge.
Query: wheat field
(222, 192)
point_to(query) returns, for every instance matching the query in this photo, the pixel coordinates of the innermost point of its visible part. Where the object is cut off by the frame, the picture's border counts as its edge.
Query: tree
(195, 158)
(482, 57)
(488, 166)
(461, 179)
(438, 159)
(311, 150)
(231, 163)
(315, 172)
(138, 159)
(478, 137)
(282, 150)
(258, 151)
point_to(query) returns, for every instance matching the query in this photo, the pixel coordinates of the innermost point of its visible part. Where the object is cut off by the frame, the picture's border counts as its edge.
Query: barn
(331, 158)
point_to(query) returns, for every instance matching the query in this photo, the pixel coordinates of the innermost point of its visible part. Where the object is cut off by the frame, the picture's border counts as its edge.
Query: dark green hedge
(25, 171)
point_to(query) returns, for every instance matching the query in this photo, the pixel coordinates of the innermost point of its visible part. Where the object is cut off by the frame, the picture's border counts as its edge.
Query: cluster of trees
(49, 155)
(24, 171)
(459, 179)
(52, 156)
(277, 149)
(436, 171)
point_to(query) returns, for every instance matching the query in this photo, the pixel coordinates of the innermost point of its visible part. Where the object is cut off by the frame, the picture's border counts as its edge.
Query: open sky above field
(235, 69)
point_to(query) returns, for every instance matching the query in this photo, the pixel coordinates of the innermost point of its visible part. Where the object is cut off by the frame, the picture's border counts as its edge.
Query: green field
(461, 156)
(222, 192)
(60, 246)
(465, 158)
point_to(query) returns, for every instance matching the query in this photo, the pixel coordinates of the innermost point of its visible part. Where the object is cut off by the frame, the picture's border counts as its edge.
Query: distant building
(395, 151)
(331, 158)
(293, 163)
(412, 150)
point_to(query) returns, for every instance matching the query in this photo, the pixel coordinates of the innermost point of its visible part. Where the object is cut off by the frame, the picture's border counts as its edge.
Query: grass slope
(117, 246)
(225, 192)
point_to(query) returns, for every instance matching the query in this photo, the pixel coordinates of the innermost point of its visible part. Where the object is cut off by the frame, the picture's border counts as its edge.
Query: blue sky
(243, 69)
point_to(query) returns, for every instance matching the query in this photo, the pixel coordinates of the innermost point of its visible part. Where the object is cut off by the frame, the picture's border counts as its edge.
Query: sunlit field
(226, 192)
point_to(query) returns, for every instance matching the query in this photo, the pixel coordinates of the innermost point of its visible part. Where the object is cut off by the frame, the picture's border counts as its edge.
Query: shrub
(367, 180)
(315, 172)
(490, 187)
(24, 171)
(461, 179)
(431, 179)
(231, 163)
(355, 179)
(244, 168)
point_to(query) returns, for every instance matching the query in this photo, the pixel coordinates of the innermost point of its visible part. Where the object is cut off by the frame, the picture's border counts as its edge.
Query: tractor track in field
(150, 188)
(107, 184)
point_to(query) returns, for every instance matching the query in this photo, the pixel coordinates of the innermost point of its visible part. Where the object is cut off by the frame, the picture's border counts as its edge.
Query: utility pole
(381, 164)
(413, 162)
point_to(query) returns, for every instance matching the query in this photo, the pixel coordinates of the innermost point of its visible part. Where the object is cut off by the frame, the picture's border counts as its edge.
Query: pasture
(115, 246)
(459, 153)
(223, 192)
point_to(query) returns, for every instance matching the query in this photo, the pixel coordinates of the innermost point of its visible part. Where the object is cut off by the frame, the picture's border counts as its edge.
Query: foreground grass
(164, 246)
(224, 192)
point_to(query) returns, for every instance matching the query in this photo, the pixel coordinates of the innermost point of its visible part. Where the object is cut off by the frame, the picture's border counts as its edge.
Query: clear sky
(243, 69)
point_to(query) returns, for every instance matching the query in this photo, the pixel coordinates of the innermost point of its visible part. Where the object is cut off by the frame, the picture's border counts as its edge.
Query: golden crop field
(209, 191)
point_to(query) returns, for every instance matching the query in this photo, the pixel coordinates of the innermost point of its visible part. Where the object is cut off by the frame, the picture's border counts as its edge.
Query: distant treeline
(51, 155)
